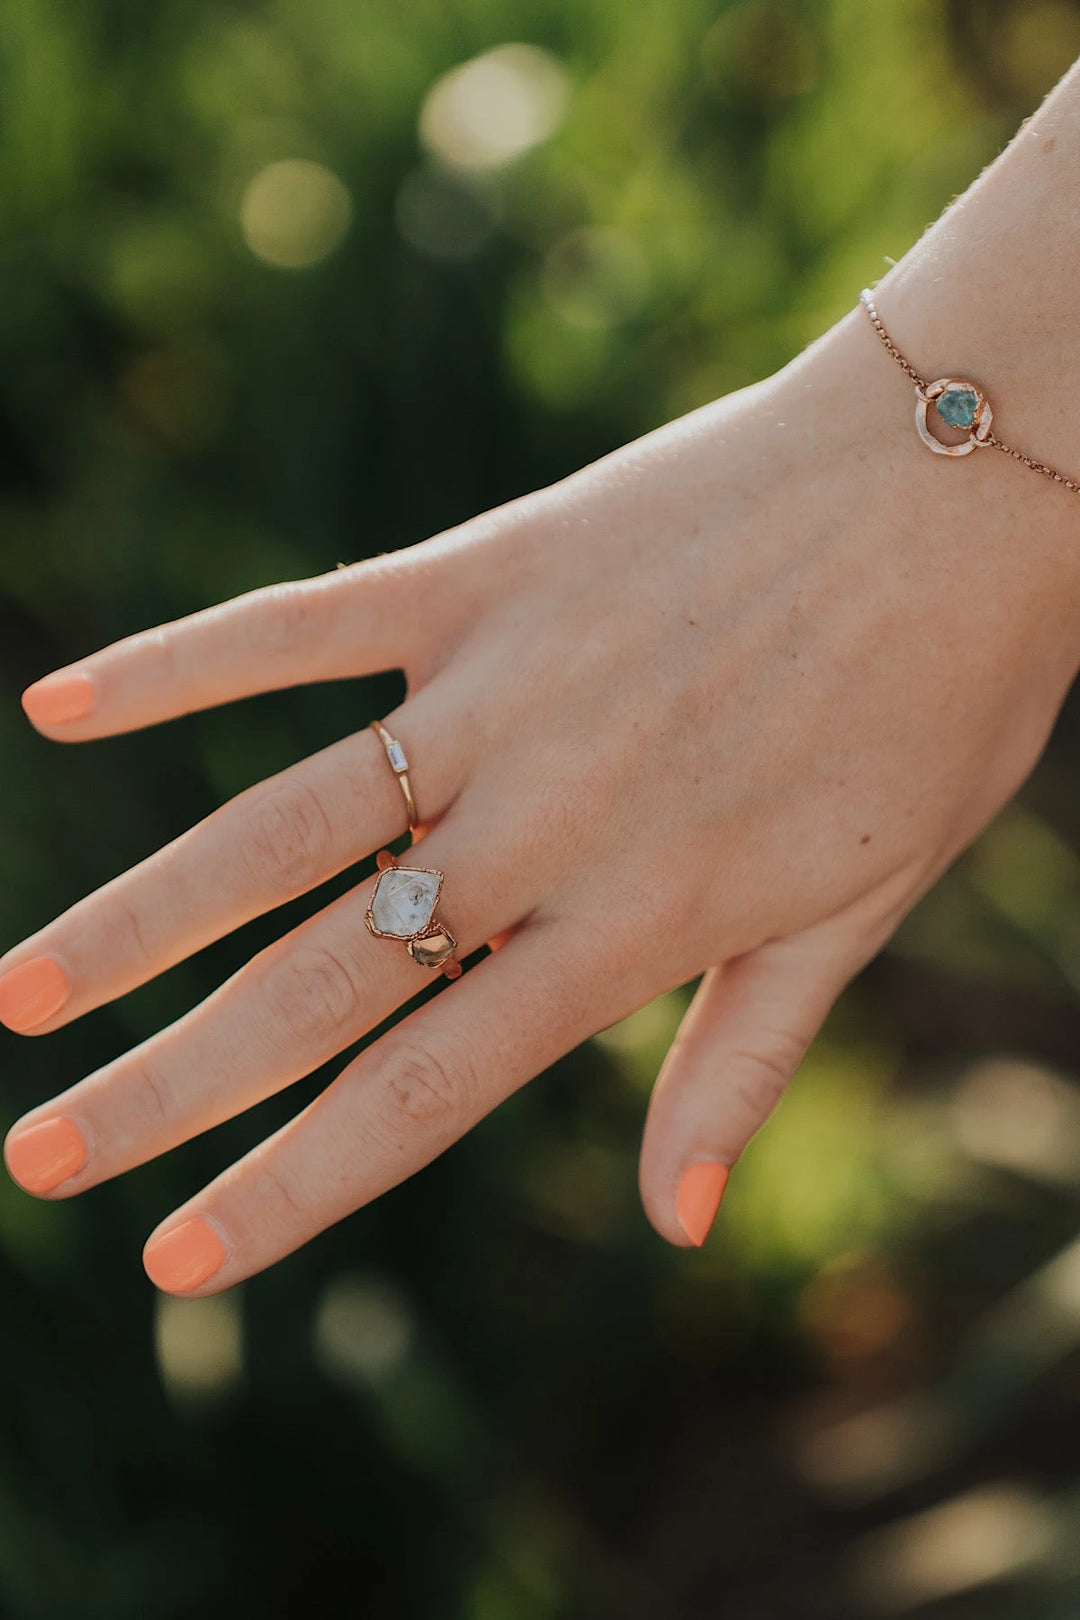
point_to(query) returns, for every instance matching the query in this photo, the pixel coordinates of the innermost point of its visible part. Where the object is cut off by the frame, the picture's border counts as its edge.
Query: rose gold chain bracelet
(958, 401)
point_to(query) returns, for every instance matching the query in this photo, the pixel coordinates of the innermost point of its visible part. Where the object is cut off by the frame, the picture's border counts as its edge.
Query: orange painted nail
(32, 992)
(183, 1258)
(57, 698)
(698, 1199)
(41, 1156)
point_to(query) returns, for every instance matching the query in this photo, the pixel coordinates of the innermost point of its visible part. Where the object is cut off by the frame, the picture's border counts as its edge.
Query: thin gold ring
(402, 906)
(400, 767)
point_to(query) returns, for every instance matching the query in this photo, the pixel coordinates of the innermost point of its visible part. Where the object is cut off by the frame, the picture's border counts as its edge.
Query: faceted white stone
(404, 901)
(397, 756)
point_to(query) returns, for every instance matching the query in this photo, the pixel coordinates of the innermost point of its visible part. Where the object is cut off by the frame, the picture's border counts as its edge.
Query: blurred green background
(284, 283)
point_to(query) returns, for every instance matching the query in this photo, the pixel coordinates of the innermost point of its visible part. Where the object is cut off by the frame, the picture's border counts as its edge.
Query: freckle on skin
(1048, 146)
(865, 839)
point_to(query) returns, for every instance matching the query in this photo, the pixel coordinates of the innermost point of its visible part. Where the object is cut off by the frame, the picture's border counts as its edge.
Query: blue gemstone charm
(957, 406)
(960, 403)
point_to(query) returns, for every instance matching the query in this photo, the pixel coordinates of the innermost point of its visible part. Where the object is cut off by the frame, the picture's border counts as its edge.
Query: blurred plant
(282, 285)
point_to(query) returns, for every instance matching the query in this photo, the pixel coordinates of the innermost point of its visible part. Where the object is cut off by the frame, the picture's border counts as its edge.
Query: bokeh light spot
(856, 1308)
(1019, 1116)
(490, 110)
(974, 1539)
(295, 213)
(198, 1345)
(363, 1329)
(867, 1453)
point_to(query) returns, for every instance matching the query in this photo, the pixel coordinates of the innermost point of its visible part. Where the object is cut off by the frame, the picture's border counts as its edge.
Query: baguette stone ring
(402, 906)
(400, 767)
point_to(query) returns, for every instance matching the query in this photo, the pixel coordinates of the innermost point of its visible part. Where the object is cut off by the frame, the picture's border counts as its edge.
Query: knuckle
(160, 644)
(288, 841)
(279, 1193)
(424, 1088)
(759, 1075)
(153, 1091)
(128, 928)
(312, 996)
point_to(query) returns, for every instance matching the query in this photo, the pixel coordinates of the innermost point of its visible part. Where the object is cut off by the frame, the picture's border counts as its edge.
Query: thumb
(741, 1040)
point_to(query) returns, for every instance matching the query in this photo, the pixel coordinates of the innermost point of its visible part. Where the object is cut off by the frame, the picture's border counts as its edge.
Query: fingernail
(41, 1156)
(57, 698)
(698, 1199)
(32, 992)
(183, 1258)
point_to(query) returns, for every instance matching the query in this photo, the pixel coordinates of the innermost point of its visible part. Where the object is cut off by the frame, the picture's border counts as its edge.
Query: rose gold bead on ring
(400, 767)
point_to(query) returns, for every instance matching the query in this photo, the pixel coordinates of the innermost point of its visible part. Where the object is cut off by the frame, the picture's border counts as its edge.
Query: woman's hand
(725, 702)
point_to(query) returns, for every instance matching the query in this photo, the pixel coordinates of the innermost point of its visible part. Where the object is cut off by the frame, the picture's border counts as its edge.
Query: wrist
(982, 517)
(987, 293)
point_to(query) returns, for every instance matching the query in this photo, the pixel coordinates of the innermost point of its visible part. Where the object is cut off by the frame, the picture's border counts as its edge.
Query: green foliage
(276, 293)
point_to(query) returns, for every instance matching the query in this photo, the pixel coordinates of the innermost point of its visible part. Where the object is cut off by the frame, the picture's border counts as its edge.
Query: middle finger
(291, 1008)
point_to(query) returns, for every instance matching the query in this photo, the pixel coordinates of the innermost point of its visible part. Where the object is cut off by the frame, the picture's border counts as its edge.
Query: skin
(725, 703)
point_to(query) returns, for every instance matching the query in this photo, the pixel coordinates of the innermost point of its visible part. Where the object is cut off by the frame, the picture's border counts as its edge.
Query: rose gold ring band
(400, 767)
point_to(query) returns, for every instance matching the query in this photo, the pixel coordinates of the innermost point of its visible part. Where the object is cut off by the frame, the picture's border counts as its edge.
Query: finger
(389, 1113)
(272, 842)
(291, 1008)
(740, 1042)
(352, 621)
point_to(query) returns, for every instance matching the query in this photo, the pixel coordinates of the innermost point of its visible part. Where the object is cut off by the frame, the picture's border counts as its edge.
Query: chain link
(867, 302)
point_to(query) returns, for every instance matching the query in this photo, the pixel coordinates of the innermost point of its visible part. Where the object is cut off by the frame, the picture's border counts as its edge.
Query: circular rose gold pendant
(961, 404)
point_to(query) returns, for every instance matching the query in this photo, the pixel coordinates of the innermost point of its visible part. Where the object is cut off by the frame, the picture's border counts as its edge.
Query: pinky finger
(396, 1107)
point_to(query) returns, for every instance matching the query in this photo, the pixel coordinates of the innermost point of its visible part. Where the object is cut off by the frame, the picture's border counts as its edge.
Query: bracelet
(959, 402)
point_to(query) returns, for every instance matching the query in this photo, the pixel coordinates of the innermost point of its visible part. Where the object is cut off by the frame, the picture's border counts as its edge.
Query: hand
(725, 702)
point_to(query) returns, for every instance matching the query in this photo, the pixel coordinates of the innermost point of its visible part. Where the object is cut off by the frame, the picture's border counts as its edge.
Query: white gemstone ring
(402, 906)
(400, 767)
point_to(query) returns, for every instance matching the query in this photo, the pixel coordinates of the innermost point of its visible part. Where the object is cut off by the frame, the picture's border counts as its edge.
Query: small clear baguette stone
(396, 755)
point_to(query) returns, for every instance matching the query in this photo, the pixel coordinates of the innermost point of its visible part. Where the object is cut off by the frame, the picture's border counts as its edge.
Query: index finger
(352, 621)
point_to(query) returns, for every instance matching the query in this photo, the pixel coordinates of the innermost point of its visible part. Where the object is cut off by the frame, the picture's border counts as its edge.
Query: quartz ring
(402, 906)
(400, 767)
